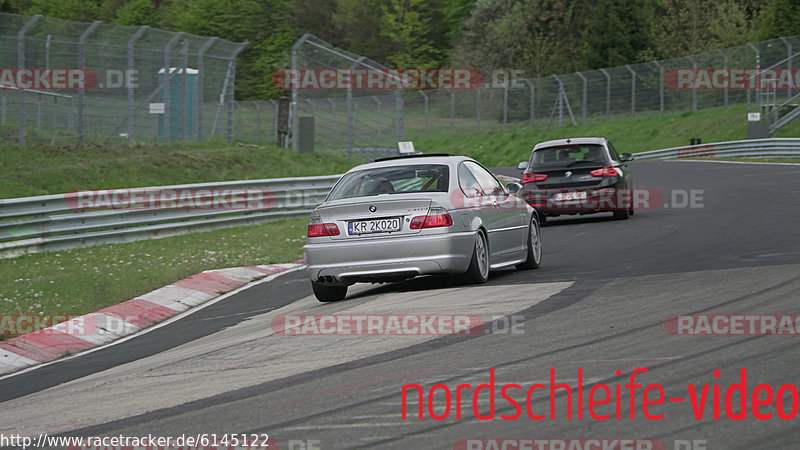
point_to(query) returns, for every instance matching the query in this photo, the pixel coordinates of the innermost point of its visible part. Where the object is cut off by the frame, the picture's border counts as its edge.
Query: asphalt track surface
(598, 303)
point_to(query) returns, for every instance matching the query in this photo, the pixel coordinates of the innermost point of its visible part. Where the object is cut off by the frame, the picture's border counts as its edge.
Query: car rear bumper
(597, 199)
(383, 259)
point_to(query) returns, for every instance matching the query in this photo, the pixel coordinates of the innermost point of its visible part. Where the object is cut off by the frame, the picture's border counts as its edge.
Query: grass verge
(84, 280)
(28, 171)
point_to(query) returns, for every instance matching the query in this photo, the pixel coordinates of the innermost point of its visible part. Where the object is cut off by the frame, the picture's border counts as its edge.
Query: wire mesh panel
(347, 119)
(66, 82)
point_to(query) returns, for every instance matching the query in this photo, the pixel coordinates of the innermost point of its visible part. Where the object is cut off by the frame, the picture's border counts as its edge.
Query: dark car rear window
(393, 180)
(569, 154)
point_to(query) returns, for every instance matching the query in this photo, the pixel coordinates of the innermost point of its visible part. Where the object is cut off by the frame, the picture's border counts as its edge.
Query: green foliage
(137, 12)
(80, 10)
(406, 27)
(778, 18)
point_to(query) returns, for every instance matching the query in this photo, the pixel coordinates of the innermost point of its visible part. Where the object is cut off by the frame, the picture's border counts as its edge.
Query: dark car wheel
(478, 271)
(622, 211)
(328, 293)
(534, 246)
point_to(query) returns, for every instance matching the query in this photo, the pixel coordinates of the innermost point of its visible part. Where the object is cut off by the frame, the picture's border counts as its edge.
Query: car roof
(413, 161)
(571, 141)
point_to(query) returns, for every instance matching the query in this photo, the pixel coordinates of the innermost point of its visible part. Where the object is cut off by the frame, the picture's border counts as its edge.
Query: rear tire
(478, 270)
(328, 293)
(622, 211)
(534, 246)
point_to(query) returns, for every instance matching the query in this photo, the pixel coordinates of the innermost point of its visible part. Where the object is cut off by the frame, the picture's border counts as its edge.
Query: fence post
(660, 87)
(725, 66)
(21, 64)
(560, 102)
(608, 93)
(505, 105)
(399, 110)
(633, 91)
(425, 96)
(293, 106)
(275, 120)
(452, 111)
(198, 86)
(131, 42)
(478, 108)
(789, 62)
(258, 120)
(167, 72)
(531, 87)
(694, 91)
(758, 68)
(378, 114)
(585, 89)
(232, 81)
(349, 105)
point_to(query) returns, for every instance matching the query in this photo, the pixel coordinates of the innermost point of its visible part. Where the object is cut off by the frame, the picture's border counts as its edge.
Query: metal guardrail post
(22, 112)
(533, 97)
(608, 93)
(131, 101)
(198, 86)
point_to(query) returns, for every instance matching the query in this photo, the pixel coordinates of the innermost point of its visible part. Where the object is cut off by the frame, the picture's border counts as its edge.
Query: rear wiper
(581, 161)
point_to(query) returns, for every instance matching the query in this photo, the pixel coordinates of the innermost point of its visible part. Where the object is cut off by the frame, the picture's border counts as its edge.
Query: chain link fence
(66, 83)
(348, 119)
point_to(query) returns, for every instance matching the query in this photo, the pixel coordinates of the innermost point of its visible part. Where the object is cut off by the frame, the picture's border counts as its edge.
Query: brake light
(322, 229)
(436, 218)
(530, 176)
(607, 171)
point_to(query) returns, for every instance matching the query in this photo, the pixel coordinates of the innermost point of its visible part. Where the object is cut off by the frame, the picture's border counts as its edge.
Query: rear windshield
(392, 180)
(569, 155)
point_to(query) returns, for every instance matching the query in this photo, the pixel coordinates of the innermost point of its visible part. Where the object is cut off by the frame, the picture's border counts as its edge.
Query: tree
(137, 12)
(618, 32)
(80, 10)
(359, 27)
(313, 16)
(778, 18)
(406, 29)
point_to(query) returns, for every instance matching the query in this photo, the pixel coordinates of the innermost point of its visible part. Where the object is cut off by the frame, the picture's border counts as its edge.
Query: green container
(171, 125)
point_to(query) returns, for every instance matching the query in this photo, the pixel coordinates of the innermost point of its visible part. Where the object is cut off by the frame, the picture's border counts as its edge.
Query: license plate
(374, 226)
(566, 196)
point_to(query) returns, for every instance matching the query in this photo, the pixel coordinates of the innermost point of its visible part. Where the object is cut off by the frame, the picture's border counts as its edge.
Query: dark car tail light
(607, 171)
(436, 218)
(530, 176)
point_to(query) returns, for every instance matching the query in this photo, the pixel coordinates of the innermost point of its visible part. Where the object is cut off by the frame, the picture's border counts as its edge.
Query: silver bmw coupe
(423, 214)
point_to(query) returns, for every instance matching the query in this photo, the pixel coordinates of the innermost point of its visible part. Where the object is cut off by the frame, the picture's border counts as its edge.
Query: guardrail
(753, 148)
(79, 219)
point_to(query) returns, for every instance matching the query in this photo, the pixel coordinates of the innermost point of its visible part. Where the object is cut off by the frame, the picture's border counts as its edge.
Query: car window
(392, 180)
(487, 181)
(613, 152)
(468, 183)
(569, 155)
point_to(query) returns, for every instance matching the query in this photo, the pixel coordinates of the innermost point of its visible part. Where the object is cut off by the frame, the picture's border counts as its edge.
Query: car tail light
(318, 229)
(607, 171)
(530, 176)
(436, 218)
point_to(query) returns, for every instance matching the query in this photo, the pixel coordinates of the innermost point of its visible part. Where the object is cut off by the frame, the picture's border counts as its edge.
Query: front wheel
(328, 293)
(534, 246)
(478, 271)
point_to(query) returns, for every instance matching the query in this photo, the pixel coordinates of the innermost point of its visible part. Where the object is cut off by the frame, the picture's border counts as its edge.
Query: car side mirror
(625, 157)
(513, 188)
(522, 165)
